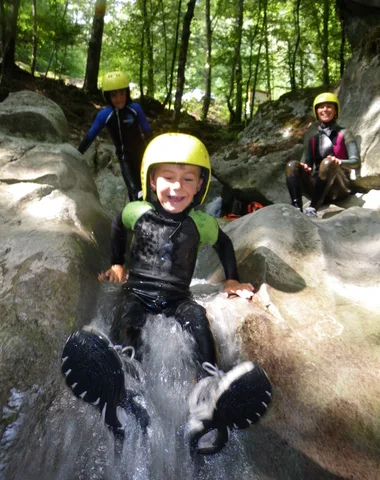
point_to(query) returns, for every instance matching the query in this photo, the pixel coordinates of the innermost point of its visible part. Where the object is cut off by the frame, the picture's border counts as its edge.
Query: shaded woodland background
(205, 57)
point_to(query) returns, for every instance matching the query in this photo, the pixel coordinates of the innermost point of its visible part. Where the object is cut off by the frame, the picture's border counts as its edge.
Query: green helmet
(177, 148)
(326, 97)
(114, 81)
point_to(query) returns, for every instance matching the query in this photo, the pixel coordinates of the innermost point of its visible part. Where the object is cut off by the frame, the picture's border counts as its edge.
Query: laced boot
(97, 372)
(224, 401)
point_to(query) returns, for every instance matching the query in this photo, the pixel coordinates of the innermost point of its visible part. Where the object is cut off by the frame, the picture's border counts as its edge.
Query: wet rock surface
(313, 324)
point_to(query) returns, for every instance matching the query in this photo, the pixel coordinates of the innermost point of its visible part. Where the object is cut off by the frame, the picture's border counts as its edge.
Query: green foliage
(59, 37)
(64, 27)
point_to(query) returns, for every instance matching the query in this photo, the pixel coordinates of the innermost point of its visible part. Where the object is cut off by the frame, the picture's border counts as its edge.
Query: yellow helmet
(114, 81)
(323, 98)
(177, 148)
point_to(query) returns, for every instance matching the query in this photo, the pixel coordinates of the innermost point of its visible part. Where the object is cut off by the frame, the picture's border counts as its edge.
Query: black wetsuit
(130, 132)
(163, 256)
(327, 180)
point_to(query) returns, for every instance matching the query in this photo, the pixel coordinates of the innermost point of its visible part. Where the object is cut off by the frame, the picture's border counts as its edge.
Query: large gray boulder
(31, 115)
(255, 165)
(113, 193)
(314, 327)
(360, 106)
(360, 84)
(54, 239)
(361, 19)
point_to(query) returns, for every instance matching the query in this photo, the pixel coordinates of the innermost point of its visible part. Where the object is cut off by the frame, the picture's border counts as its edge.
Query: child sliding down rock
(167, 233)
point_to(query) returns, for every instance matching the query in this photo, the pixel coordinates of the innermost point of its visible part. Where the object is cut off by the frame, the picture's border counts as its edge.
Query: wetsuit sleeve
(118, 240)
(144, 124)
(353, 160)
(84, 144)
(226, 253)
(100, 121)
(121, 223)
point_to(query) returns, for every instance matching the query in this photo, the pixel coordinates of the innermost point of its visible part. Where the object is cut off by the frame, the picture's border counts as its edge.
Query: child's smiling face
(118, 98)
(175, 185)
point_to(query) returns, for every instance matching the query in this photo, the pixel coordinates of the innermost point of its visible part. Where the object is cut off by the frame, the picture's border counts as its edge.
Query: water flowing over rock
(313, 325)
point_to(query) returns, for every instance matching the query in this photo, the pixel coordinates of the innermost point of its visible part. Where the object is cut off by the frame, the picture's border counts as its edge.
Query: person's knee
(130, 318)
(193, 316)
(193, 319)
(327, 168)
(292, 168)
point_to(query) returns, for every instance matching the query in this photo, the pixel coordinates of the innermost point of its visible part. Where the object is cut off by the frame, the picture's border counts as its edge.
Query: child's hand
(243, 290)
(115, 274)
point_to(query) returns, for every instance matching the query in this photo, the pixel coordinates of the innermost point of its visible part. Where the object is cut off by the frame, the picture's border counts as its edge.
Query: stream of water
(69, 441)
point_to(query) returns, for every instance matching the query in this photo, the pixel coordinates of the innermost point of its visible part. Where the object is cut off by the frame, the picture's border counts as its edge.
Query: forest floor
(80, 109)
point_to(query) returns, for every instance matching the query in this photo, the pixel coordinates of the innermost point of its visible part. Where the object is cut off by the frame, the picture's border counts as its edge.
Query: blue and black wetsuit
(163, 256)
(130, 131)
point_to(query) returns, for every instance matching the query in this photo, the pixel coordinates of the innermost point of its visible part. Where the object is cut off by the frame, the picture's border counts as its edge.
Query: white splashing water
(70, 441)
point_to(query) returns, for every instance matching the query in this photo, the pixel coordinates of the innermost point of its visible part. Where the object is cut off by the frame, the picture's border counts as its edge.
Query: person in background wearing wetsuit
(330, 151)
(167, 233)
(128, 127)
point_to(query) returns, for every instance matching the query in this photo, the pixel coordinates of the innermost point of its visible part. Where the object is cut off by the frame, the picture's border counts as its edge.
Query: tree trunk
(35, 38)
(256, 76)
(142, 49)
(267, 62)
(293, 82)
(168, 98)
(2, 28)
(235, 116)
(289, 62)
(161, 4)
(325, 44)
(341, 52)
(9, 48)
(302, 76)
(182, 61)
(251, 40)
(95, 47)
(63, 64)
(239, 92)
(207, 69)
(239, 72)
(149, 49)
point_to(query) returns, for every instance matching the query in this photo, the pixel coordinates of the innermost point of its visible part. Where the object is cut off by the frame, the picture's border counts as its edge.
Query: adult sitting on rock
(330, 151)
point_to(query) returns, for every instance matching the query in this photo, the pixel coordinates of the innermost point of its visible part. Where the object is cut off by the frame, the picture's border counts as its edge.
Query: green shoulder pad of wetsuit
(133, 211)
(207, 226)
